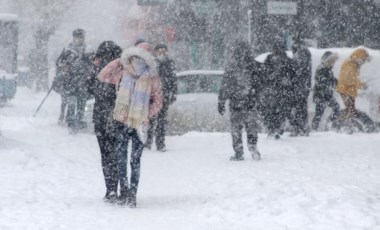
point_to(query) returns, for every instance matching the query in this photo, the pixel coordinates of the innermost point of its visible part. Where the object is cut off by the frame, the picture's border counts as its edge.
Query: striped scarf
(133, 97)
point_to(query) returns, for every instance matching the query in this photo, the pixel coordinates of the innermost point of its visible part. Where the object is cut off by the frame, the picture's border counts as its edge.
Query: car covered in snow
(196, 106)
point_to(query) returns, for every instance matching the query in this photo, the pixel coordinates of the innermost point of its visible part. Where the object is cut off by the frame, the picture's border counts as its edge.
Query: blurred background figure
(166, 72)
(240, 85)
(324, 87)
(74, 66)
(301, 88)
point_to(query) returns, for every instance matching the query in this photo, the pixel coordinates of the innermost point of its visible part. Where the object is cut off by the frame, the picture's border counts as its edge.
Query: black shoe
(147, 146)
(110, 197)
(236, 158)
(161, 149)
(132, 201)
(121, 200)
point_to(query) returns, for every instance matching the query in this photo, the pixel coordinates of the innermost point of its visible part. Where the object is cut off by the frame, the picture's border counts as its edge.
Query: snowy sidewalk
(52, 180)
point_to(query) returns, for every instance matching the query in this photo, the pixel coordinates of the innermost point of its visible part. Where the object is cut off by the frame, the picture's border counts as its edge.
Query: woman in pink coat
(138, 99)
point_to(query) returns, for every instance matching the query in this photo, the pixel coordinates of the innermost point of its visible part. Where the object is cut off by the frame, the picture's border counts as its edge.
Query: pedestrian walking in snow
(105, 96)
(349, 83)
(301, 88)
(324, 87)
(138, 99)
(240, 86)
(277, 91)
(166, 72)
(74, 67)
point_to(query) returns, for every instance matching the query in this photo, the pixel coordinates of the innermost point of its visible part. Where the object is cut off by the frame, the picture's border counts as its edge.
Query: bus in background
(8, 56)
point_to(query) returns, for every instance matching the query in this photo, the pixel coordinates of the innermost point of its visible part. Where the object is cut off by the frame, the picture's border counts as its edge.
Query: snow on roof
(200, 72)
(8, 17)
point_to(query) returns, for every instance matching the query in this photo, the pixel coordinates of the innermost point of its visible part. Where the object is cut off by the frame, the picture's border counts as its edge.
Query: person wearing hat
(73, 67)
(166, 72)
(324, 87)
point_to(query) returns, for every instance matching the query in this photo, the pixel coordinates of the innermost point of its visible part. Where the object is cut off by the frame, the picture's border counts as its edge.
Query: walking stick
(42, 102)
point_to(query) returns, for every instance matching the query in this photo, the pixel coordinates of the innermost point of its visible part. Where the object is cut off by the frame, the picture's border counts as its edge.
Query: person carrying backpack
(240, 86)
(73, 66)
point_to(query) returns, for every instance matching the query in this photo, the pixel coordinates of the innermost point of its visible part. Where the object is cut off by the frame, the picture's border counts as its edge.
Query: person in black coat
(73, 67)
(105, 95)
(301, 88)
(240, 85)
(166, 72)
(323, 92)
(277, 90)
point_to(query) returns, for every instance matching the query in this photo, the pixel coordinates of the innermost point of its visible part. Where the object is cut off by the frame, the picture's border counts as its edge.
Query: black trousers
(106, 141)
(249, 121)
(320, 109)
(299, 117)
(157, 127)
(75, 111)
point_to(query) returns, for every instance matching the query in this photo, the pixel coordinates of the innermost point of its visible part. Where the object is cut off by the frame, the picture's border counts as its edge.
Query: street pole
(249, 26)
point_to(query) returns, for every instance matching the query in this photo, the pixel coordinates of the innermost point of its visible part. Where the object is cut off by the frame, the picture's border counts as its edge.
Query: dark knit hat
(161, 46)
(79, 33)
(139, 40)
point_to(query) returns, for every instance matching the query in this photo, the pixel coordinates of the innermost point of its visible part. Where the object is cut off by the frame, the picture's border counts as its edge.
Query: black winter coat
(104, 93)
(166, 71)
(325, 84)
(241, 85)
(277, 81)
(302, 79)
(73, 69)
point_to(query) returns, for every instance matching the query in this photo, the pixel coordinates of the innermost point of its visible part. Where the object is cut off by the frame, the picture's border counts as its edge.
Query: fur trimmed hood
(140, 52)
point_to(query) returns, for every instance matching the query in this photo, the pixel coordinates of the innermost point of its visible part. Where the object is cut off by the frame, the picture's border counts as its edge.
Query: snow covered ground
(52, 180)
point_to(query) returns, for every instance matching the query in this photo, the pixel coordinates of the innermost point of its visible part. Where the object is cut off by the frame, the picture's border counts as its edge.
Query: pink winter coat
(112, 74)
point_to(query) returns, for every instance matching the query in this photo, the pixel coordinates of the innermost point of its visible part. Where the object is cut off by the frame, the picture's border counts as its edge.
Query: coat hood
(142, 53)
(328, 59)
(360, 54)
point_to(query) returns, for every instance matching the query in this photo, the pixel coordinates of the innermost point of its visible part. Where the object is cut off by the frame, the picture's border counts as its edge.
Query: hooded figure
(138, 98)
(240, 86)
(349, 82)
(324, 87)
(277, 90)
(301, 88)
(105, 95)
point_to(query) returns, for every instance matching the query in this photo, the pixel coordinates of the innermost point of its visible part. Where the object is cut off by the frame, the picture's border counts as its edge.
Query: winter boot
(110, 197)
(255, 153)
(236, 158)
(123, 198)
(132, 200)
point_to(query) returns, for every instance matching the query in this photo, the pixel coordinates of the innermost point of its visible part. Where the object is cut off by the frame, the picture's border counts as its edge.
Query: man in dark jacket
(166, 72)
(73, 66)
(105, 95)
(277, 90)
(301, 88)
(324, 87)
(240, 86)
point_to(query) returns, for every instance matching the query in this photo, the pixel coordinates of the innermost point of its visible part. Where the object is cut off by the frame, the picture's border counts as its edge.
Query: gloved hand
(221, 108)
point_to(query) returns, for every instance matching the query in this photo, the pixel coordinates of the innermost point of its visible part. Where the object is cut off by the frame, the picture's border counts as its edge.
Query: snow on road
(52, 180)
